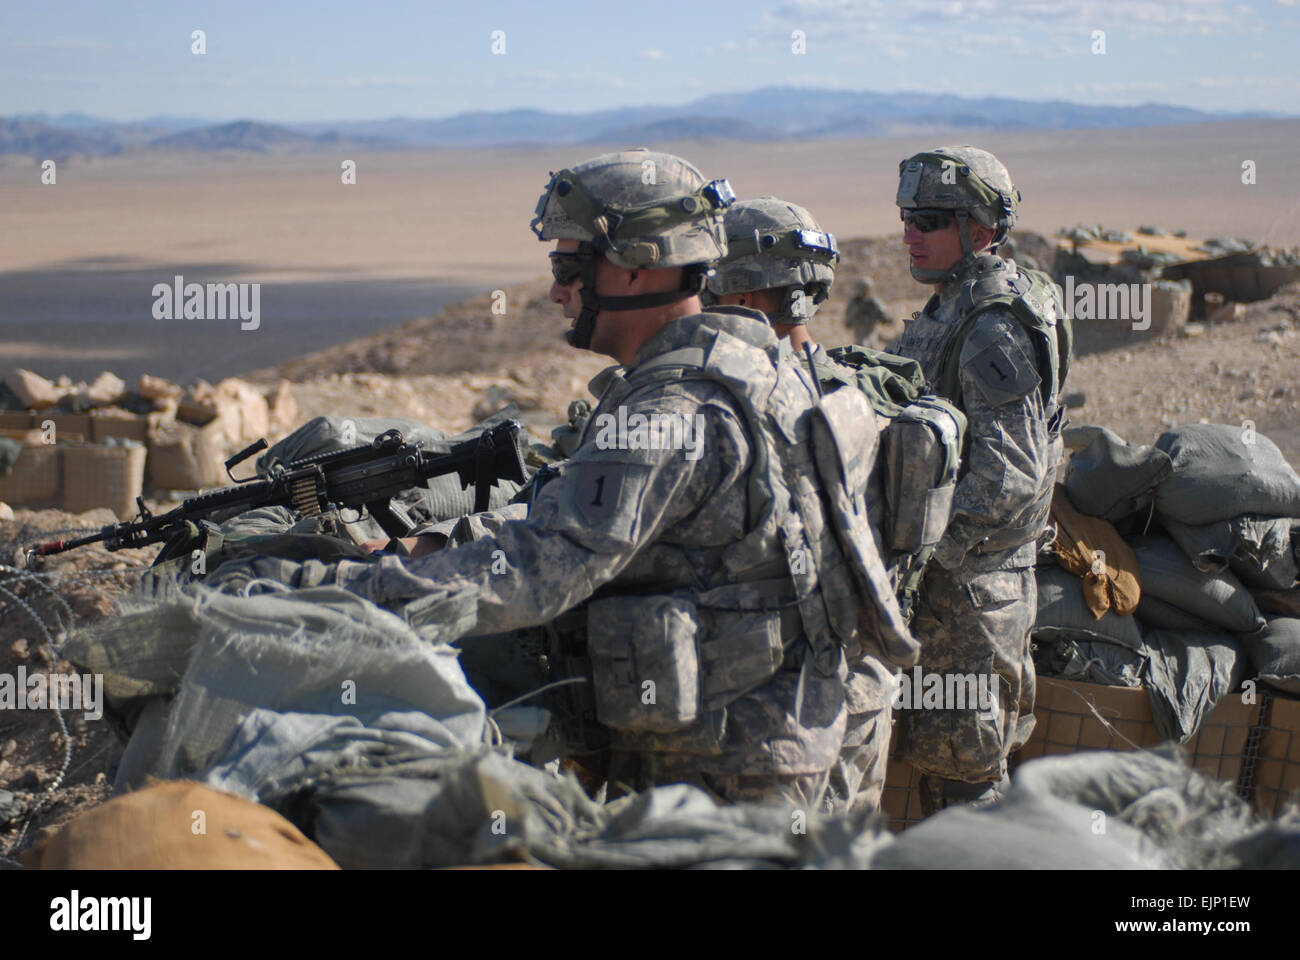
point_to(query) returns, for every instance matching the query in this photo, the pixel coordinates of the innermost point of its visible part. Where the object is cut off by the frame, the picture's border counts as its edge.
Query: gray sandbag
(1113, 479)
(1223, 471)
(1189, 673)
(1157, 814)
(1063, 614)
(1274, 653)
(1216, 598)
(1256, 549)
(1152, 613)
(1029, 829)
(1088, 661)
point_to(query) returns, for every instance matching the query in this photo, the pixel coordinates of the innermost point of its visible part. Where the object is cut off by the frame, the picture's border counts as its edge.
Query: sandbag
(1091, 548)
(1187, 675)
(1274, 653)
(1113, 479)
(1216, 598)
(1223, 471)
(1153, 612)
(1088, 661)
(1256, 549)
(1063, 613)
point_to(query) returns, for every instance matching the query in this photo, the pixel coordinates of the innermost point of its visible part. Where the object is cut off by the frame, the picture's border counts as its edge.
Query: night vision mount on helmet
(640, 210)
(772, 244)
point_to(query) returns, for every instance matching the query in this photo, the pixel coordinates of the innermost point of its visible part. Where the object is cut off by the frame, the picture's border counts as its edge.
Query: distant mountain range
(766, 114)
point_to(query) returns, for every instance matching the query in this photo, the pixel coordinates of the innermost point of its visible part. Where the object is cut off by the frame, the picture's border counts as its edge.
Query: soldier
(865, 312)
(720, 607)
(987, 341)
(780, 261)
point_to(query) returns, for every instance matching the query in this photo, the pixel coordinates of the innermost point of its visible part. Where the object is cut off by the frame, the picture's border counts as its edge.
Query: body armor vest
(806, 566)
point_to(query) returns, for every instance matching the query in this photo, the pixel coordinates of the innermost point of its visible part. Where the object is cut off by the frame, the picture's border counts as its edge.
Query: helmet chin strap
(592, 304)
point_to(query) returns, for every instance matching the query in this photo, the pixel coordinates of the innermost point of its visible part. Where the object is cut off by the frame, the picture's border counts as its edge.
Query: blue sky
(330, 60)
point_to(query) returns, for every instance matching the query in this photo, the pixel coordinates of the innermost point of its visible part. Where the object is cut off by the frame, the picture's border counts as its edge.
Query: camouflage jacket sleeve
(1009, 450)
(587, 524)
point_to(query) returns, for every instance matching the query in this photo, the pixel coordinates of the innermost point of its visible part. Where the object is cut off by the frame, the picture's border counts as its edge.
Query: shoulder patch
(1002, 372)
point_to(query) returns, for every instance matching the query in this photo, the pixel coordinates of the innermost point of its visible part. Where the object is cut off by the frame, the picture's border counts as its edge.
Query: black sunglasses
(927, 221)
(567, 267)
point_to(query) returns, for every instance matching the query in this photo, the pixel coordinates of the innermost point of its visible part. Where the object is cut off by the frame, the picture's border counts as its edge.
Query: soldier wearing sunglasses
(703, 600)
(987, 340)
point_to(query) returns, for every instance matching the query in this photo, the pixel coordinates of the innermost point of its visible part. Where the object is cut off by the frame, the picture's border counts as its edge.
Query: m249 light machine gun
(368, 476)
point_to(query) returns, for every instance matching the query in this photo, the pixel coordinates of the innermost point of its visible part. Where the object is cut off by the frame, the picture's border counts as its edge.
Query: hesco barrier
(1255, 747)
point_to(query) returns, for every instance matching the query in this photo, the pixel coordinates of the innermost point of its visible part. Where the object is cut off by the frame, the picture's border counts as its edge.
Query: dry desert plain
(421, 229)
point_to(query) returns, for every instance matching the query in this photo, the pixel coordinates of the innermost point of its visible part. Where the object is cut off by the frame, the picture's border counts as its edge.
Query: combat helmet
(772, 244)
(640, 210)
(966, 181)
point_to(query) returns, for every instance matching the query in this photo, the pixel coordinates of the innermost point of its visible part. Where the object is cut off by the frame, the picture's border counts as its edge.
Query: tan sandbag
(33, 390)
(178, 825)
(1082, 541)
(107, 389)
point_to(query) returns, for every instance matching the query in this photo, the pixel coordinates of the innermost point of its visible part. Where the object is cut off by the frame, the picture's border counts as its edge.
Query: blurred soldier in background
(865, 312)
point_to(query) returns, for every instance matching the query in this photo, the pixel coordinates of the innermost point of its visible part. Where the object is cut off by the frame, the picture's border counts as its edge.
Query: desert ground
(421, 229)
(450, 227)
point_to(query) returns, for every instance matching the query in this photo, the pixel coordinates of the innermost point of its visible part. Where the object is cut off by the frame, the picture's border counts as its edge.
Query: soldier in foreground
(781, 262)
(720, 605)
(988, 341)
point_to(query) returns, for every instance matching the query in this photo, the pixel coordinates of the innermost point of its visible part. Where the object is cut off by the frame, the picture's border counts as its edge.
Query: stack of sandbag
(1206, 519)
(189, 432)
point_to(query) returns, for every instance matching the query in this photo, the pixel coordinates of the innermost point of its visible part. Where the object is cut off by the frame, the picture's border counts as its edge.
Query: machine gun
(368, 475)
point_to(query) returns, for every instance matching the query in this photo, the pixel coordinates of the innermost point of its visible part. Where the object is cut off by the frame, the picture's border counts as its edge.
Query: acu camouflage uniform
(655, 539)
(776, 245)
(979, 596)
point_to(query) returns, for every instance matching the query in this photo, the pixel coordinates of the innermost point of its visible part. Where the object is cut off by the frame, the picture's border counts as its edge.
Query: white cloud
(1003, 25)
(652, 54)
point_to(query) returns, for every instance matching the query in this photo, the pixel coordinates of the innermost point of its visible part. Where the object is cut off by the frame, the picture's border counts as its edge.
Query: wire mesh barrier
(1254, 746)
(39, 599)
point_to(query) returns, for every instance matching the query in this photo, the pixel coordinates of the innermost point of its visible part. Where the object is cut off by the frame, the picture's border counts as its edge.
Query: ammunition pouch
(922, 457)
(659, 663)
